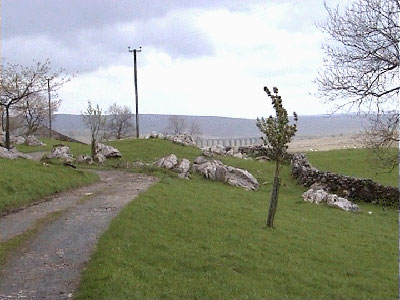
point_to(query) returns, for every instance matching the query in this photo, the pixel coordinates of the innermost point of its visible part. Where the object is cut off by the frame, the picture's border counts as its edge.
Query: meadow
(196, 239)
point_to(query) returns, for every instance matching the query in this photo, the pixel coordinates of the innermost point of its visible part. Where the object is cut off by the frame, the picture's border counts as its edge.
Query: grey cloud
(86, 49)
(55, 17)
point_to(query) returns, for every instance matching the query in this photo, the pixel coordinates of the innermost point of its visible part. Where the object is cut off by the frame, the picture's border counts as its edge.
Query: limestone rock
(343, 203)
(107, 151)
(99, 158)
(17, 140)
(318, 195)
(31, 140)
(183, 139)
(12, 154)
(167, 162)
(84, 159)
(183, 168)
(216, 170)
(241, 178)
(211, 169)
(60, 151)
(238, 155)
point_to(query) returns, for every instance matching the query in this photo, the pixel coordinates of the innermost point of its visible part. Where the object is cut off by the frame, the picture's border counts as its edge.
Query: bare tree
(194, 129)
(119, 124)
(176, 125)
(19, 82)
(361, 66)
(35, 111)
(278, 134)
(95, 120)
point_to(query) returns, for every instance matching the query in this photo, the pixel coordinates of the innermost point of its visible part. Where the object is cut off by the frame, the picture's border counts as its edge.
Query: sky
(204, 58)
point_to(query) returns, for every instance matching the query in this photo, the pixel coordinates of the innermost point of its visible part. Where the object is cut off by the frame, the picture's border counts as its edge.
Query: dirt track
(49, 266)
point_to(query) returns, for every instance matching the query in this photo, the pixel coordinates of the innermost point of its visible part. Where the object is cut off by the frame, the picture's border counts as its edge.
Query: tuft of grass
(353, 162)
(206, 240)
(24, 181)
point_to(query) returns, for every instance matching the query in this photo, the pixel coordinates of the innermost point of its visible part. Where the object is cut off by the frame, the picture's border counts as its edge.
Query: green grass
(353, 162)
(24, 181)
(206, 240)
(76, 148)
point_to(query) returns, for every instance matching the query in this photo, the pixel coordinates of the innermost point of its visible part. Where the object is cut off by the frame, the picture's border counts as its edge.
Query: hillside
(223, 127)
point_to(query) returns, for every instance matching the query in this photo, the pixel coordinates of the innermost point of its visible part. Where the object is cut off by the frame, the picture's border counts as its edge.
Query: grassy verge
(23, 181)
(353, 162)
(206, 240)
(7, 248)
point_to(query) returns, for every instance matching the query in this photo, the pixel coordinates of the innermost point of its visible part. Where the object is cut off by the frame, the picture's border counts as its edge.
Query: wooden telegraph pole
(134, 51)
(48, 91)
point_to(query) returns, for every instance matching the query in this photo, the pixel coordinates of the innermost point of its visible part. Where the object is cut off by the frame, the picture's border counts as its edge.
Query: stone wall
(350, 187)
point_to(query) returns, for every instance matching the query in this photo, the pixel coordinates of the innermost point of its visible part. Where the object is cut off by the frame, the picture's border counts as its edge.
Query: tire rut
(51, 263)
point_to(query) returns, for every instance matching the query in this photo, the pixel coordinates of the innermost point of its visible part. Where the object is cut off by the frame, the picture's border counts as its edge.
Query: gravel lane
(50, 266)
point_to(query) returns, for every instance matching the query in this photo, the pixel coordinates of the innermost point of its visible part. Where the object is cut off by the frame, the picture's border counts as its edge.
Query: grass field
(354, 162)
(75, 148)
(206, 240)
(24, 181)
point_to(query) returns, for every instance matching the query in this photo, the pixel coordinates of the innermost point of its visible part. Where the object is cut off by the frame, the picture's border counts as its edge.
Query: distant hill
(223, 127)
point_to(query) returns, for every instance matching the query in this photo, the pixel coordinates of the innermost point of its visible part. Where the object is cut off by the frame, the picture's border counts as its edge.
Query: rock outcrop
(60, 151)
(107, 151)
(183, 168)
(170, 162)
(319, 196)
(217, 171)
(167, 162)
(182, 139)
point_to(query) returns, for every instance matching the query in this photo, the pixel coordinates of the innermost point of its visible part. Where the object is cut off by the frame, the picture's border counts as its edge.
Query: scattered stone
(319, 195)
(31, 140)
(107, 151)
(167, 162)
(217, 171)
(84, 159)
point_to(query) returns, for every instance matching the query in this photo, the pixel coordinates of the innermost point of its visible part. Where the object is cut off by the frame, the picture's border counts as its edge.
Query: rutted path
(50, 265)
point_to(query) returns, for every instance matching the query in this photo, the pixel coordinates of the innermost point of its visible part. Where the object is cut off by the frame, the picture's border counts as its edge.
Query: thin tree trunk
(8, 145)
(274, 197)
(93, 147)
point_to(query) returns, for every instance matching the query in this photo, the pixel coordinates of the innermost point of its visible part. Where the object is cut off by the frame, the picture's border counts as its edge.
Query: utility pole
(134, 51)
(48, 91)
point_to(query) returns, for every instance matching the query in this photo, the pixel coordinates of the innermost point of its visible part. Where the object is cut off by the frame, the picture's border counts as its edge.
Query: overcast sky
(210, 57)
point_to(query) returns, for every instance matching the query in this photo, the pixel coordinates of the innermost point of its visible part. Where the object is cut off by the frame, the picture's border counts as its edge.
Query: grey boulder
(107, 151)
(217, 171)
(167, 162)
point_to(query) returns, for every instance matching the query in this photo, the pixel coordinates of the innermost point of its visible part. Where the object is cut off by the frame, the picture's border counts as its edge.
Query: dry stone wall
(350, 187)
